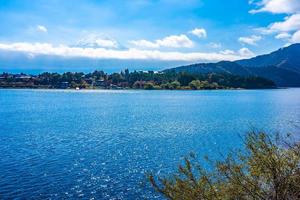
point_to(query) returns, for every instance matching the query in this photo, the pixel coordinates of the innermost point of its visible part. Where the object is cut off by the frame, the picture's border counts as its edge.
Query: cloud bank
(96, 41)
(290, 23)
(172, 41)
(287, 29)
(128, 54)
(276, 6)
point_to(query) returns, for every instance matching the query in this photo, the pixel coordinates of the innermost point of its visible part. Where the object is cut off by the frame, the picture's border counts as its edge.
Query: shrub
(195, 85)
(175, 85)
(149, 86)
(267, 169)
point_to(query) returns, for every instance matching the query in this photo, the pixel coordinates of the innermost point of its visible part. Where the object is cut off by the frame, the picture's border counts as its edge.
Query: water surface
(60, 144)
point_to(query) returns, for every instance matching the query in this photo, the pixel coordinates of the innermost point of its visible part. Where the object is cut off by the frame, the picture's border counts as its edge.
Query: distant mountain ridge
(287, 58)
(281, 66)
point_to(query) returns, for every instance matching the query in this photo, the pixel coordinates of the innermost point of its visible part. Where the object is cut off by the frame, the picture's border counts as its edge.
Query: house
(23, 77)
(64, 85)
(100, 83)
(88, 81)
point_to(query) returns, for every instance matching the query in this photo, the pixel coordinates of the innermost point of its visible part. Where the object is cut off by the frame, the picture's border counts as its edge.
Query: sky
(142, 30)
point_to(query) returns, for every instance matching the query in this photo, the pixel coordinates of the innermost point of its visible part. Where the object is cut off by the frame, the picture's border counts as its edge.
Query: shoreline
(132, 89)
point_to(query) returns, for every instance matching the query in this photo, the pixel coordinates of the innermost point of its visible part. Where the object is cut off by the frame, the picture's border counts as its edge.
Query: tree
(138, 84)
(175, 85)
(83, 84)
(149, 86)
(267, 169)
(127, 74)
(185, 79)
(166, 80)
(195, 85)
(116, 78)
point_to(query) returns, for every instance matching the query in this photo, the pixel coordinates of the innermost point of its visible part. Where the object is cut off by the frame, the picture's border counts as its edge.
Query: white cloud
(276, 6)
(296, 37)
(199, 32)
(245, 52)
(102, 53)
(145, 44)
(94, 41)
(285, 28)
(283, 36)
(263, 30)
(41, 28)
(176, 41)
(215, 45)
(227, 52)
(287, 44)
(251, 40)
(290, 23)
(172, 41)
(106, 43)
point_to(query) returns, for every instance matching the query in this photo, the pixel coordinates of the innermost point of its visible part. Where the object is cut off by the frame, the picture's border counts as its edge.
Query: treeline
(136, 80)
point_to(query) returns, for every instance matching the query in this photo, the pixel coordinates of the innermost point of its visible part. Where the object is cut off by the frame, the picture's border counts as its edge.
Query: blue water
(60, 144)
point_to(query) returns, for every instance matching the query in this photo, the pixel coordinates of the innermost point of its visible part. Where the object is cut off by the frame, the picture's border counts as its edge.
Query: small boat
(77, 88)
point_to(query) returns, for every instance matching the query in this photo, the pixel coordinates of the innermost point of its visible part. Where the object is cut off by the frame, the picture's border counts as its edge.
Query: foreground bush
(267, 169)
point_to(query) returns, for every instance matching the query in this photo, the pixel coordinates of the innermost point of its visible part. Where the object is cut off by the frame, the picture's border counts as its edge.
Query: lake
(60, 144)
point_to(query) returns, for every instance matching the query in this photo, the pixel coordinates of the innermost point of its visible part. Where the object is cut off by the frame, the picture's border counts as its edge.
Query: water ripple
(98, 144)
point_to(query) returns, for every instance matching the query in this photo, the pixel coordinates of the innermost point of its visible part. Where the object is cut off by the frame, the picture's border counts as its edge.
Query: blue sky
(189, 30)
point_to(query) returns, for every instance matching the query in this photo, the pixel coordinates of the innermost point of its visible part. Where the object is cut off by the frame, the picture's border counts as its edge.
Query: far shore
(147, 80)
(139, 89)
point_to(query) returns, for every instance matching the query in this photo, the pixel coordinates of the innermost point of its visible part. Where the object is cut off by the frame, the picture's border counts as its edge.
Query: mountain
(286, 58)
(281, 66)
